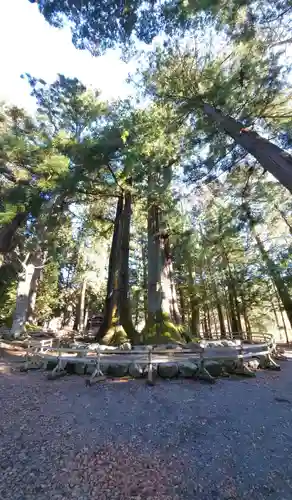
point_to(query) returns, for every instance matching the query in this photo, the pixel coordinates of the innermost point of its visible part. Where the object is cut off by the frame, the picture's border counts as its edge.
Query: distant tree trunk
(80, 309)
(145, 281)
(272, 270)
(27, 277)
(214, 320)
(247, 323)
(218, 306)
(113, 268)
(208, 320)
(284, 218)
(194, 302)
(234, 310)
(182, 304)
(281, 307)
(221, 318)
(124, 292)
(195, 316)
(228, 318)
(274, 159)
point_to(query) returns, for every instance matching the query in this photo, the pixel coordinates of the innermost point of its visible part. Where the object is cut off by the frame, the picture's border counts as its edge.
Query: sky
(30, 45)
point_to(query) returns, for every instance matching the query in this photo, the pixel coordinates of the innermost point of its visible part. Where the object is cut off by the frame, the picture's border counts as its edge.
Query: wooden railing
(42, 351)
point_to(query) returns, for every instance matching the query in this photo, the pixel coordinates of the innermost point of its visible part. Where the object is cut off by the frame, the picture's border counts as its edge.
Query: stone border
(206, 364)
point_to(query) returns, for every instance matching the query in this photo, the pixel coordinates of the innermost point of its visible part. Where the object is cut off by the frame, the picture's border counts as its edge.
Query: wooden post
(97, 375)
(150, 380)
(242, 369)
(203, 373)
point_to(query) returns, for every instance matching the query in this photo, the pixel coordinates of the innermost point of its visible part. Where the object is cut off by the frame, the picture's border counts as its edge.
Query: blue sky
(30, 45)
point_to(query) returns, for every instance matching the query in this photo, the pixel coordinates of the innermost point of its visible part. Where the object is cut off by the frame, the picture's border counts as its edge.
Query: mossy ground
(115, 336)
(161, 330)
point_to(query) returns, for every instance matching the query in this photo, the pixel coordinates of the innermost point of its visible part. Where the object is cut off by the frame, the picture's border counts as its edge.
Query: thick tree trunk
(124, 292)
(154, 267)
(28, 276)
(163, 313)
(39, 259)
(169, 295)
(274, 159)
(136, 299)
(113, 268)
(7, 232)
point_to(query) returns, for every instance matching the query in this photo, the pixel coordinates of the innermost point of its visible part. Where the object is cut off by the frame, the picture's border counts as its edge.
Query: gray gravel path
(179, 440)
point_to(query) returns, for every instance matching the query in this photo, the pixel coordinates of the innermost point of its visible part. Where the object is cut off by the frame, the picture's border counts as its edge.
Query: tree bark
(7, 232)
(28, 275)
(33, 291)
(221, 318)
(169, 295)
(162, 299)
(145, 281)
(154, 266)
(113, 268)
(274, 159)
(124, 285)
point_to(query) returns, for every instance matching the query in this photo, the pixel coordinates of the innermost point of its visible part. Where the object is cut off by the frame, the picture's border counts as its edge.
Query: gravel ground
(178, 440)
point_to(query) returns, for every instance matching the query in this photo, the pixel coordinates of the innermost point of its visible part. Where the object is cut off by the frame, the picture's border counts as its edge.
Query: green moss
(115, 336)
(160, 330)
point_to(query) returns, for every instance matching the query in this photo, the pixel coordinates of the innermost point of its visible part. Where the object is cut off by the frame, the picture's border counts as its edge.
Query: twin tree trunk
(117, 297)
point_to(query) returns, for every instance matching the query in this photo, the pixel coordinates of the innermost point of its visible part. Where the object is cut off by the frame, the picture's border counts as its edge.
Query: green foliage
(8, 287)
(97, 26)
(48, 293)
